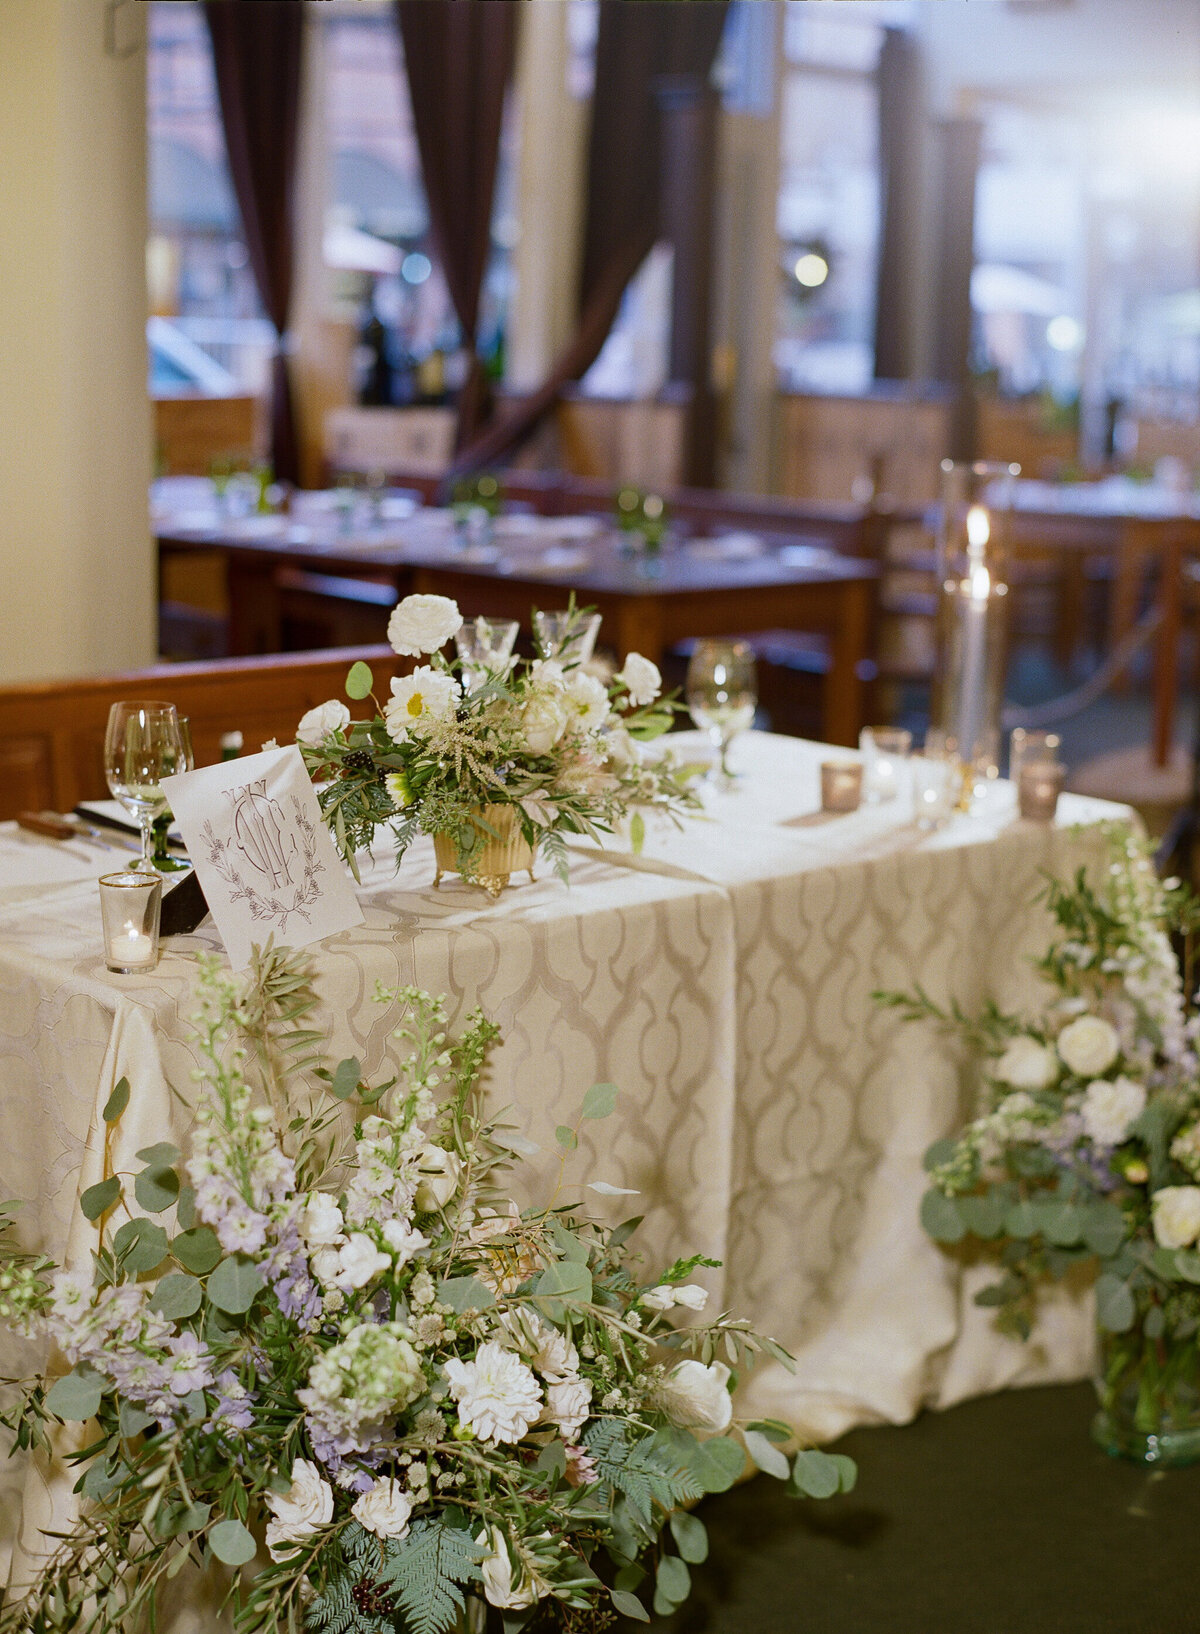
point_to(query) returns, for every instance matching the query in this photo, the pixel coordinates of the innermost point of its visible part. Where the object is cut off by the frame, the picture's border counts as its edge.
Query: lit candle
(1038, 787)
(978, 586)
(130, 904)
(841, 785)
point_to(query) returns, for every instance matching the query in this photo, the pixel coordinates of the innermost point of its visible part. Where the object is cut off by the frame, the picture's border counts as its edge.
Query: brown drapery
(256, 55)
(459, 60)
(639, 45)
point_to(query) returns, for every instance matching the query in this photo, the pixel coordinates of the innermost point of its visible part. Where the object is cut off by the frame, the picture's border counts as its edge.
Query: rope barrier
(1073, 703)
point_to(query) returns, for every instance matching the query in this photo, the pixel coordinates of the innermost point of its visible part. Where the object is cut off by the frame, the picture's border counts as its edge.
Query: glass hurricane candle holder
(936, 786)
(1025, 747)
(885, 750)
(841, 785)
(130, 905)
(1038, 789)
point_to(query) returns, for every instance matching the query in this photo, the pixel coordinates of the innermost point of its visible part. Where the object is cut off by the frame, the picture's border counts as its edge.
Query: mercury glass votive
(130, 905)
(1038, 788)
(841, 785)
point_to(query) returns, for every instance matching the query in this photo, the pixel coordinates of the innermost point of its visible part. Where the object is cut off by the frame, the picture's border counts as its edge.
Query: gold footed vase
(505, 851)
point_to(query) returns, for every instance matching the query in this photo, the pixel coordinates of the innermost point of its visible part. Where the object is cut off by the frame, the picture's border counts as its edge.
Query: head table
(771, 1115)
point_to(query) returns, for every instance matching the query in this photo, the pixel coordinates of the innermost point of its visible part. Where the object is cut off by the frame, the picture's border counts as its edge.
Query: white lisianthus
(316, 725)
(421, 624)
(303, 1509)
(1026, 1064)
(498, 1397)
(439, 1171)
(642, 679)
(1176, 1216)
(384, 1509)
(359, 1260)
(587, 700)
(321, 1222)
(425, 695)
(543, 721)
(567, 1404)
(496, 1571)
(1089, 1046)
(1109, 1107)
(661, 1298)
(697, 1397)
(403, 1239)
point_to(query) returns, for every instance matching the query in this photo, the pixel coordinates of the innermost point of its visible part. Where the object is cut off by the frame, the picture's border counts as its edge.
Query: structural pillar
(960, 144)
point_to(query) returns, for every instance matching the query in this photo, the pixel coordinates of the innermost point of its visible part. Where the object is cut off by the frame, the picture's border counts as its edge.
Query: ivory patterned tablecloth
(771, 1115)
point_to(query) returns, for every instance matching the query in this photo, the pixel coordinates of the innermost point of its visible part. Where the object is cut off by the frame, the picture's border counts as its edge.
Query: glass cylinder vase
(972, 635)
(1148, 1382)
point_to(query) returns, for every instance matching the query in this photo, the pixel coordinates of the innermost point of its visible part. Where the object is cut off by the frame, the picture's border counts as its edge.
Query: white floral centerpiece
(343, 1367)
(472, 752)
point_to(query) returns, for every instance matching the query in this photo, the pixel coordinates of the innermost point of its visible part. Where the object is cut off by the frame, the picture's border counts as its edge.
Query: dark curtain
(639, 45)
(459, 61)
(256, 54)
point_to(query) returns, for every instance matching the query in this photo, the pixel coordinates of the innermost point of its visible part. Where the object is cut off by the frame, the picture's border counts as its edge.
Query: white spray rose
(421, 624)
(1026, 1064)
(417, 699)
(316, 725)
(439, 1171)
(497, 1573)
(384, 1510)
(321, 1222)
(1089, 1046)
(543, 721)
(641, 678)
(697, 1397)
(359, 1260)
(567, 1404)
(303, 1509)
(1109, 1107)
(1176, 1216)
(497, 1395)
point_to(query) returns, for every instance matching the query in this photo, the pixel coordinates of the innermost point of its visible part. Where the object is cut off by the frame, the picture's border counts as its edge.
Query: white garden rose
(498, 1397)
(421, 624)
(317, 724)
(587, 700)
(325, 1264)
(1026, 1064)
(497, 1572)
(1176, 1216)
(321, 1222)
(1089, 1046)
(403, 1239)
(567, 1404)
(384, 1509)
(417, 699)
(543, 721)
(1109, 1107)
(439, 1171)
(697, 1397)
(642, 679)
(303, 1509)
(359, 1260)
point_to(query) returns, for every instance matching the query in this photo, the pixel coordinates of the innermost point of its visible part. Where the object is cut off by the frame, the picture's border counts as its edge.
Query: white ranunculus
(1109, 1107)
(543, 721)
(359, 1260)
(1089, 1046)
(321, 1222)
(1176, 1216)
(587, 700)
(421, 624)
(497, 1395)
(497, 1573)
(1026, 1064)
(661, 1298)
(439, 1171)
(384, 1509)
(303, 1509)
(641, 678)
(403, 1239)
(317, 724)
(697, 1397)
(692, 1296)
(417, 699)
(567, 1404)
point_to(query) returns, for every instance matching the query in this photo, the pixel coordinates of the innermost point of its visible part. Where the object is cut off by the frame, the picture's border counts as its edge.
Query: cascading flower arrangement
(471, 751)
(1088, 1151)
(352, 1371)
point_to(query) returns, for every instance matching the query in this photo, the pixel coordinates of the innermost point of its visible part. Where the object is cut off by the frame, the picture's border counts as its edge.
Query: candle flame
(979, 528)
(981, 584)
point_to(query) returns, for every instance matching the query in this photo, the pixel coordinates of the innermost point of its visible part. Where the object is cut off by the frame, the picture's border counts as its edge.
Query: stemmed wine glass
(722, 693)
(143, 744)
(163, 860)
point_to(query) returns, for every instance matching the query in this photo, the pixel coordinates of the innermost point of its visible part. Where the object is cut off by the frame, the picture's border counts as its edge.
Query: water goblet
(142, 745)
(568, 637)
(722, 693)
(485, 645)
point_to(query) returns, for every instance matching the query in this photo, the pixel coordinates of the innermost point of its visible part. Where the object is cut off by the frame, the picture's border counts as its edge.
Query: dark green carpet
(998, 1517)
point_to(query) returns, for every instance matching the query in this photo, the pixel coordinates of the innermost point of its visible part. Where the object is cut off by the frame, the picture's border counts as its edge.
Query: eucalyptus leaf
(359, 681)
(984, 1216)
(1103, 1228)
(96, 1199)
(177, 1296)
(605, 1190)
(465, 1294)
(140, 1245)
(232, 1543)
(1022, 1220)
(156, 1189)
(197, 1250)
(565, 1280)
(816, 1474)
(847, 1470)
(76, 1395)
(940, 1152)
(628, 1605)
(566, 1137)
(674, 1581)
(134, 1419)
(117, 1101)
(600, 1101)
(766, 1455)
(1115, 1309)
(941, 1217)
(691, 1536)
(1187, 1264)
(233, 1285)
(718, 1463)
(347, 1076)
(161, 1156)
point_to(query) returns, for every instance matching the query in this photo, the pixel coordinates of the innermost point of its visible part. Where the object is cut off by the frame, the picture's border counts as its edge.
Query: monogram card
(268, 866)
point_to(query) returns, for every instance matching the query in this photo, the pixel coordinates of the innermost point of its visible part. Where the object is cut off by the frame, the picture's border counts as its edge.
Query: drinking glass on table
(569, 637)
(722, 693)
(486, 644)
(884, 750)
(163, 860)
(143, 744)
(1026, 747)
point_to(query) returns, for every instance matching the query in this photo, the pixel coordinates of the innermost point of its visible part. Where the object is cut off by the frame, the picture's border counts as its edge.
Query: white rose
(661, 1298)
(497, 1395)
(497, 1573)
(1109, 1107)
(1026, 1064)
(359, 1260)
(588, 700)
(697, 1397)
(403, 1239)
(543, 721)
(417, 699)
(325, 1263)
(567, 1404)
(642, 679)
(1176, 1215)
(384, 1510)
(439, 1171)
(1089, 1046)
(317, 724)
(421, 624)
(692, 1296)
(303, 1509)
(321, 1222)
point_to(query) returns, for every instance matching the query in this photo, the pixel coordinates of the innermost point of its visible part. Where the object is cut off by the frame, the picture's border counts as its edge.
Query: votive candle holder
(130, 906)
(841, 785)
(1038, 788)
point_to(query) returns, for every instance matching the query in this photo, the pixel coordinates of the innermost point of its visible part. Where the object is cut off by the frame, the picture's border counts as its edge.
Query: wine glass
(143, 744)
(486, 644)
(722, 693)
(163, 860)
(568, 637)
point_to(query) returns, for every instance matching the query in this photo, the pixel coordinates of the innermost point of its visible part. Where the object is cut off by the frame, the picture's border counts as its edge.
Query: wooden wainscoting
(191, 432)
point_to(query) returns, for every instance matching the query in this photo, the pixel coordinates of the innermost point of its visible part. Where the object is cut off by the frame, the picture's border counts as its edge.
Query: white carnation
(303, 1509)
(317, 724)
(359, 1260)
(1089, 1046)
(439, 1171)
(642, 679)
(498, 1397)
(697, 1397)
(1109, 1107)
(325, 1264)
(1026, 1064)
(384, 1509)
(321, 1222)
(1176, 1216)
(425, 695)
(421, 624)
(567, 1405)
